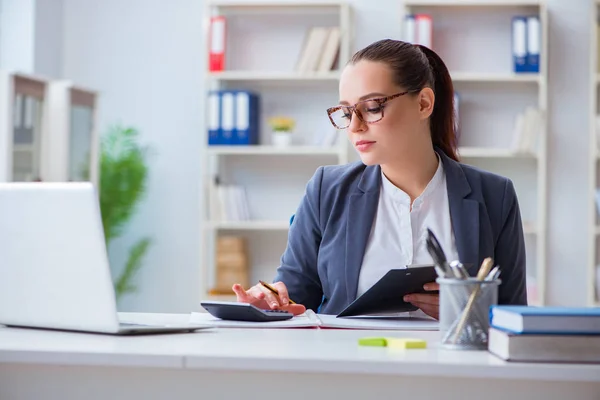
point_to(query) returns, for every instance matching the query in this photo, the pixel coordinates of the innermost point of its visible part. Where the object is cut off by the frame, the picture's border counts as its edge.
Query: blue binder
(214, 118)
(246, 118)
(533, 44)
(519, 44)
(227, 117)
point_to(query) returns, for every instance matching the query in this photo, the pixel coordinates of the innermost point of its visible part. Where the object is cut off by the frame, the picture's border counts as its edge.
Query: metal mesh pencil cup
(464, 312)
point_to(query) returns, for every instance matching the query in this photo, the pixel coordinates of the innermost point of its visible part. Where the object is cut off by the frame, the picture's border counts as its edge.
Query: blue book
(546, 320)
(246, 130)
(533, 44)
(519, 44)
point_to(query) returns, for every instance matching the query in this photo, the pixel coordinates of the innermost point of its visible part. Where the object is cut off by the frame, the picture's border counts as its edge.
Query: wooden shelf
(491, 152)
(273, 150)
(249, 225)
(332, 76)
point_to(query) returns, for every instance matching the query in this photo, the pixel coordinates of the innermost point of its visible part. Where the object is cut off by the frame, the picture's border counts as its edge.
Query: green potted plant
(123, 180)
(281, 130)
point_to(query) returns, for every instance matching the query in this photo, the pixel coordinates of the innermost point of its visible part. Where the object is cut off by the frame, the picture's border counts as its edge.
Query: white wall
(17, 35)
(568, 218)
(146, 59)
(48, 56)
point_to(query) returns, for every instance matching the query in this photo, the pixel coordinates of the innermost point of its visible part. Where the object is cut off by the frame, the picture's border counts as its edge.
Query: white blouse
(398, 234)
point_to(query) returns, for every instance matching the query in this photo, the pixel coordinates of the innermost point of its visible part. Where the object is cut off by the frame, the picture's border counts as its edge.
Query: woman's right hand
(263, 298)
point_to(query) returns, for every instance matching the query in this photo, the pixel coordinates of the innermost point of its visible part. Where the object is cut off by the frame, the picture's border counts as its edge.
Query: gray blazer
(329, 232)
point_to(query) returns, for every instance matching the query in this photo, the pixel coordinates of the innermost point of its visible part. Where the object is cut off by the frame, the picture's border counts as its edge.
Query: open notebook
(311, 320)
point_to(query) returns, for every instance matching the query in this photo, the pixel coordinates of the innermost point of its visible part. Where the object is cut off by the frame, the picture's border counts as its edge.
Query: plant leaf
(134, 262)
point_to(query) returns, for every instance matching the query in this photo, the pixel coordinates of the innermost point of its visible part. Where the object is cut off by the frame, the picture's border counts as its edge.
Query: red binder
(216, 55)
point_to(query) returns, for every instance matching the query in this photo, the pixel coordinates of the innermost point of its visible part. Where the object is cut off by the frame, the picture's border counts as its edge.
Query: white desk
(294, 363)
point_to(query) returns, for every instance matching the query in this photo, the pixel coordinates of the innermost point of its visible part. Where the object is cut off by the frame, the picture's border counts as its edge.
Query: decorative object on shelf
(123, 179)
(232, 264)
(282, 128)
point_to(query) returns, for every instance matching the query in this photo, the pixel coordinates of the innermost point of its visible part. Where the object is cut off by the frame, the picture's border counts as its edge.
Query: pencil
(272, 289)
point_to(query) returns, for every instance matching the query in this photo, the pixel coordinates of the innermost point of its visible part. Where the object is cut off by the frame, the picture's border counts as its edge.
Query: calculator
(234, 311)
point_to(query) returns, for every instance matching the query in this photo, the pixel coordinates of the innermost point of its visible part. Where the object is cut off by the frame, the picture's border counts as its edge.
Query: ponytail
(442, 120)
(415, 67)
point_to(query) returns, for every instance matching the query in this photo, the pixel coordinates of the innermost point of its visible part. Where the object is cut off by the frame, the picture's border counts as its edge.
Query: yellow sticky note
(406, 343)
(395, 343)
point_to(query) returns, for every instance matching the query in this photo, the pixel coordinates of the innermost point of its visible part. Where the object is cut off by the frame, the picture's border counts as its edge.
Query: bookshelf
(48, 130)
(474, 38)
(593, 274)
(273, 177)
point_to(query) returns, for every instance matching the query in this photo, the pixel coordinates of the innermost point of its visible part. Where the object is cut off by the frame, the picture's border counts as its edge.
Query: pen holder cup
(464, 312)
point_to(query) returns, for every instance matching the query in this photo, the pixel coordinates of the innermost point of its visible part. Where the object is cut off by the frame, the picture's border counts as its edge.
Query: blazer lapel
(464, 213)
(361, 214)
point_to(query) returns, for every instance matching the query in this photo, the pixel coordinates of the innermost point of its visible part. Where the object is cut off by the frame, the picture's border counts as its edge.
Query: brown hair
(415, 67)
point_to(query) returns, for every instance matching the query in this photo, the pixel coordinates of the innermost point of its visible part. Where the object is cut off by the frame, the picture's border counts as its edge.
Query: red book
(216, 50)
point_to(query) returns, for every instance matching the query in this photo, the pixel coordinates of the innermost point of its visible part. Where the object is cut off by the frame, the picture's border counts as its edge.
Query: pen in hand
(272, 289)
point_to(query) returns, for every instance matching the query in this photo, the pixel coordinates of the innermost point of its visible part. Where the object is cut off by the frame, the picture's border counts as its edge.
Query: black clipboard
(386, 295)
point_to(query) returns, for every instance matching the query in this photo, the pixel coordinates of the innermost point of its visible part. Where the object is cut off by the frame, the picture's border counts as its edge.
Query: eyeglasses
(368, 111)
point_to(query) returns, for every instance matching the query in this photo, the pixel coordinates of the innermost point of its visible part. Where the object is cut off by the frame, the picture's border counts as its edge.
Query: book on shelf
(233, 117)
(529, 126)
(227, 203)
(320, 50)
(329, 136)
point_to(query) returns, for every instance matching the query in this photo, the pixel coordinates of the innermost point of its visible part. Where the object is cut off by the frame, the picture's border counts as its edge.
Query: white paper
(306, 320)
(311, 320)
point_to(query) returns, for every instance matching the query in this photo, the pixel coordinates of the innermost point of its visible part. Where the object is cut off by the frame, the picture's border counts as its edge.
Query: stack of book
(227, 203)
(545, 334)
(320, 51)
(529, 127)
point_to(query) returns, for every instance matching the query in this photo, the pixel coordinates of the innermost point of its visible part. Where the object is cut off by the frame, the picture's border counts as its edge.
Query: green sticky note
(372, 341)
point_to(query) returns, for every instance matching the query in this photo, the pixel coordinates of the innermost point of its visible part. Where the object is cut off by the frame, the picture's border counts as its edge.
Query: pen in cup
(275, 291)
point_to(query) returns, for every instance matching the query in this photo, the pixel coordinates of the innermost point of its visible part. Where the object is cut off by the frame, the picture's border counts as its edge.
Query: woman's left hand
(429, 303)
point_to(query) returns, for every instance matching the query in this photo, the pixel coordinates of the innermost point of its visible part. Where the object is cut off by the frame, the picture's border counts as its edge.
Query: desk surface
(284, 350)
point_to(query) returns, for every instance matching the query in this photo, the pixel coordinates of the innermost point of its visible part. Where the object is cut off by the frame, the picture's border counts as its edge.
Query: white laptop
(54, 270)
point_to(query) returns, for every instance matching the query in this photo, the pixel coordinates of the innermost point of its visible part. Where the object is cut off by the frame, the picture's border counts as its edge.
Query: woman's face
(404, 122)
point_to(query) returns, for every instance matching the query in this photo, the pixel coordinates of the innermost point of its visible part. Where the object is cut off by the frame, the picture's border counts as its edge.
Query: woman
(359, 220)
